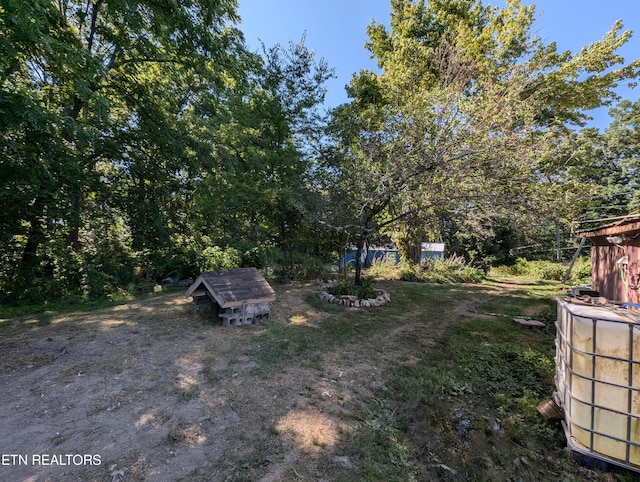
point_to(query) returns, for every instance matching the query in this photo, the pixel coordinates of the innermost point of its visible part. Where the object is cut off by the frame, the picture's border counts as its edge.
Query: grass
(468, 400)
(44, 312)
(446, 391)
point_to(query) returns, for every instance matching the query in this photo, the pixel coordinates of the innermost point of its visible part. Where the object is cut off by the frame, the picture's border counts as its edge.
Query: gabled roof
(234, 287)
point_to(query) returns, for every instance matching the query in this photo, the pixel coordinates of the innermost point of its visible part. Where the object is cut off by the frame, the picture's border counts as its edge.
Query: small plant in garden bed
(366, 288)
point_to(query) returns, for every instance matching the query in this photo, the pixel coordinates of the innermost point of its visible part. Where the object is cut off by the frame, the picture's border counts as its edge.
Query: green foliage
(581, 271)
(451, 270)
(474, 391)
(455, 129)
(385, 267)
(364, 290)
(608, 163)
(381, 446)
(100, 139)
(257, 257)
(548, 270)
(108, 152)
(123, 161)
(305, 268)
(215, 258)
(310, 268)
(485, 244)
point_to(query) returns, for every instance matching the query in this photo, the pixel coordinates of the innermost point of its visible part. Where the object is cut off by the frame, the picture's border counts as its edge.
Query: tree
(622, 139)
(115, 88)
(261, 194)
(607, 165)
(466, 115)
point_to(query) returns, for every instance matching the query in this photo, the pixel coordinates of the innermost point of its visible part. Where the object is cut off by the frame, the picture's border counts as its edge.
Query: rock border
(353, 301)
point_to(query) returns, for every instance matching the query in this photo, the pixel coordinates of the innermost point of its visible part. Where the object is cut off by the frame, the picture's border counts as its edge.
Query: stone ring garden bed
(350, 300)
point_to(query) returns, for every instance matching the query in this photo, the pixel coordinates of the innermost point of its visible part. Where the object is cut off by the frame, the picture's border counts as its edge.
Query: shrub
(385, 267)
(546, 270)
(259, 257)
(581, 271)
(310, 268)
(366, 288)
(451, 270)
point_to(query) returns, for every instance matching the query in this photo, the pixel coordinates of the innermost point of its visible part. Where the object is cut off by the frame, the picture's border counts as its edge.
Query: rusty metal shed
(238, 296)
(615, 252)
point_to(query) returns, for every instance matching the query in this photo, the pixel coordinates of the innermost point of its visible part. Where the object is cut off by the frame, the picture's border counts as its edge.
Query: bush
(365, 290)
(309, 268)
(385, 267)
(581, 271)
(451, 270)
(546, 270)
(306, 268)
(259, 257)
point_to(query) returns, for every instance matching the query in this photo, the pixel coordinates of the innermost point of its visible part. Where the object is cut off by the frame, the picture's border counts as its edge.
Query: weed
(381, 446)
(210, 374)
(188, 393)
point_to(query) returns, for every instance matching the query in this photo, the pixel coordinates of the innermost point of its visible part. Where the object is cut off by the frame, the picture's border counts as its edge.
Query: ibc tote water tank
(598, 380)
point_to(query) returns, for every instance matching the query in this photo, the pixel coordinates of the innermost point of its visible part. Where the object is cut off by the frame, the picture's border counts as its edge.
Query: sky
(336, 31)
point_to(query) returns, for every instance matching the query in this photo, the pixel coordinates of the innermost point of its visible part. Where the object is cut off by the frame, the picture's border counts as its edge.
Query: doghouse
(238, 296)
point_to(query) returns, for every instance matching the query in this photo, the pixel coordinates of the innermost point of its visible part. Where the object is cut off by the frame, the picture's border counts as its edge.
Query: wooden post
(574, 259)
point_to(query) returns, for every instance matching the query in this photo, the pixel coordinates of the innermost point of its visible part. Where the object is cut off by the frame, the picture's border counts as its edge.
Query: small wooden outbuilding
(615, 253)
(238, 296)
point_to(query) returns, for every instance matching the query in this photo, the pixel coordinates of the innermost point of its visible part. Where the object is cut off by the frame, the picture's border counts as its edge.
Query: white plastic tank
(598, 380)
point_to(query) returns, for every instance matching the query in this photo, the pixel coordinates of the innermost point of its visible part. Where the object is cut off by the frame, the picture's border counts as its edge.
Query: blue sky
(335, 29)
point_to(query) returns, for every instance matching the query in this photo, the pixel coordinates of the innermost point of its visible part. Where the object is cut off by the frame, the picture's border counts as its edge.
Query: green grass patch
(470, 401)
(56, 308)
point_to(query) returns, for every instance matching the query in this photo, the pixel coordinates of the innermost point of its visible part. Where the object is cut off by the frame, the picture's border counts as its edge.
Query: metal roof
(623, 224)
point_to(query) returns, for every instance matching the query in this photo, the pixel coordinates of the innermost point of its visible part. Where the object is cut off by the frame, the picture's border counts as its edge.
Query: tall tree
(468, 111)
(118, 83)
(267, 150)
(608, 163)
(622, 139)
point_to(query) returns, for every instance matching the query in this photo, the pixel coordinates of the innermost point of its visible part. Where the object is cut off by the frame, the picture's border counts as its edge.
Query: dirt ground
(149, 391)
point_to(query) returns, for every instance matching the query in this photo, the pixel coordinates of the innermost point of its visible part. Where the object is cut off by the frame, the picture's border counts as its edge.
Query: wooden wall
(615, 281)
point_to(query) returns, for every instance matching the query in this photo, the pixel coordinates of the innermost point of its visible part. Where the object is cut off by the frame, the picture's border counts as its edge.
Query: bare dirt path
(149, 391)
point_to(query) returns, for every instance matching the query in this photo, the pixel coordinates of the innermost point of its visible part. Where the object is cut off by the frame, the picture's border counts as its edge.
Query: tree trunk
(409, 249)
(359, 250)
(73, 239)
(29, 257)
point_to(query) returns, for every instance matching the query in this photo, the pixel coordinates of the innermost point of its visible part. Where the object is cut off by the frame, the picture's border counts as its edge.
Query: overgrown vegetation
(467, 408)
(549, 270)
(450, 270)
